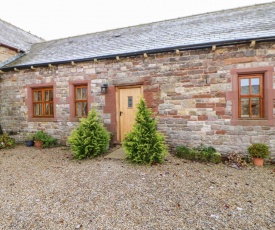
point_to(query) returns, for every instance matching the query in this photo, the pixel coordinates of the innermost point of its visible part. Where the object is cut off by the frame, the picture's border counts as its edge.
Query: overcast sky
(52, 19)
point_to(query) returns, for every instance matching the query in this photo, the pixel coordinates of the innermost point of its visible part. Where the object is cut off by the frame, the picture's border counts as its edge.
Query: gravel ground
(48, 189)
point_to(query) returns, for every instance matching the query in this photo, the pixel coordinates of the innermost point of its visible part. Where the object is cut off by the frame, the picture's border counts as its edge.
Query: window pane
(35, 96)
(84, 93)
(51, 95)
(85, 109)
(245, 107)
(47, 109)
(244, 86)
(38, 110)
(255, 107)
(46, 95)
(130, 102)
(79, 109)
(78, 94)
(51, 109)
(255, 85)
(39, 96)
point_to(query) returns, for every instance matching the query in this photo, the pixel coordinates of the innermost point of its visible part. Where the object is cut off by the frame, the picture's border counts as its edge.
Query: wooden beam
(95, 60)
(32, 67)
(15, 69)
(145, 55)
(50, 65)
(214, 47)
(2, 72)
(72, 62)
(177, 52)
(117, 58)
(253, 43)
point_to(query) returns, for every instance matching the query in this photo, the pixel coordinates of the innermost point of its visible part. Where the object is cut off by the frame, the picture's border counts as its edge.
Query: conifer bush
(144, 144)
(90, 138)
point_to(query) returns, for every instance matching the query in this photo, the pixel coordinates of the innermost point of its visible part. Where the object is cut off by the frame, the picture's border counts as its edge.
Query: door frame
(118, 106)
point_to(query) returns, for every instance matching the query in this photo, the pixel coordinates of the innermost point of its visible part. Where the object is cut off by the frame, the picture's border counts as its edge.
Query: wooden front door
(127, 103)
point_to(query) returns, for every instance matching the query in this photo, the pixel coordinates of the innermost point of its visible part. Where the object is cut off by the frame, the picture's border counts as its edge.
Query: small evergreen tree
(144, 144)
(90, 138)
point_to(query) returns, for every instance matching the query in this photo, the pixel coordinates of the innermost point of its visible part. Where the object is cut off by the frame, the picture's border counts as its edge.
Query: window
(251, 96)
(81, 101)
(43, 102)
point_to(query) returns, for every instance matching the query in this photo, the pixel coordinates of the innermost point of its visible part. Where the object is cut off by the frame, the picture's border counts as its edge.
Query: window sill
(251, 122)
(42, 119)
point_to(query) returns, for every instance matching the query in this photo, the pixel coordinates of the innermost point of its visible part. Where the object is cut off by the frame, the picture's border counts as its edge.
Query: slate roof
(16, 38)
(221, 27)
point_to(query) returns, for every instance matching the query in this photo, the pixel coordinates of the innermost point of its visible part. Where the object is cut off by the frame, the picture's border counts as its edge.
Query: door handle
(120, 113)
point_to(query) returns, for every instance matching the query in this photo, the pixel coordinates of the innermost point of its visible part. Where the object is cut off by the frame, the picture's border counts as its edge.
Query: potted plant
(29, 140)
(38, 139)
(42, 139)
(259, 151)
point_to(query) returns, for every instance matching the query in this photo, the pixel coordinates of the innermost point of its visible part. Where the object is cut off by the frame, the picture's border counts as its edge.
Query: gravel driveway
(48, 189)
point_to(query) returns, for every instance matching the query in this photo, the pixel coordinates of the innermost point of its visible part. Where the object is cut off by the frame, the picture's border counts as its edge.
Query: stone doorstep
(117, 154)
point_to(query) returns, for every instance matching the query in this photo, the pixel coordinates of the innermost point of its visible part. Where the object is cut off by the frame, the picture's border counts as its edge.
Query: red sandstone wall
(187, 93)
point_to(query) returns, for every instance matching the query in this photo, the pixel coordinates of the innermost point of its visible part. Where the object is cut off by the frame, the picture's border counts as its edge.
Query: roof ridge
(21, 29)
(155, 22)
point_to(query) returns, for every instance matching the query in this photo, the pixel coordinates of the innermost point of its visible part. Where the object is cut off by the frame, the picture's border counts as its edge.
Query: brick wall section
(186, 92)
(6, 53)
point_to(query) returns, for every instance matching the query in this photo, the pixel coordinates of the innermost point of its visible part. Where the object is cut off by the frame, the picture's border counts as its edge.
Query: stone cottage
(208, 78)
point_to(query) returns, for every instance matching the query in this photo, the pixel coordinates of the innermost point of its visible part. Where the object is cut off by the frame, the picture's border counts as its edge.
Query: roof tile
(228, 25)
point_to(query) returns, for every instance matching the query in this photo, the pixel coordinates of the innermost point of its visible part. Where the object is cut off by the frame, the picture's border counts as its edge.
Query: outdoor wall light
(104, 88)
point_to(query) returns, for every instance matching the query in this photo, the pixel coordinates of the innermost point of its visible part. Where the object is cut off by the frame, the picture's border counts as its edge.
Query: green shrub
(47, 139)
(200, 153)
(183, 152)
(90, 138)
(6, 141)
(204, 156)
(259, 150)
(204, 148)
(144, 144)
(215, 157)
(194, 155)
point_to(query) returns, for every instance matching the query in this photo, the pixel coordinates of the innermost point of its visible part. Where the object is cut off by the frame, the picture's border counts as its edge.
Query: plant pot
(29, 143)
(258, 161)
(38, 144)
